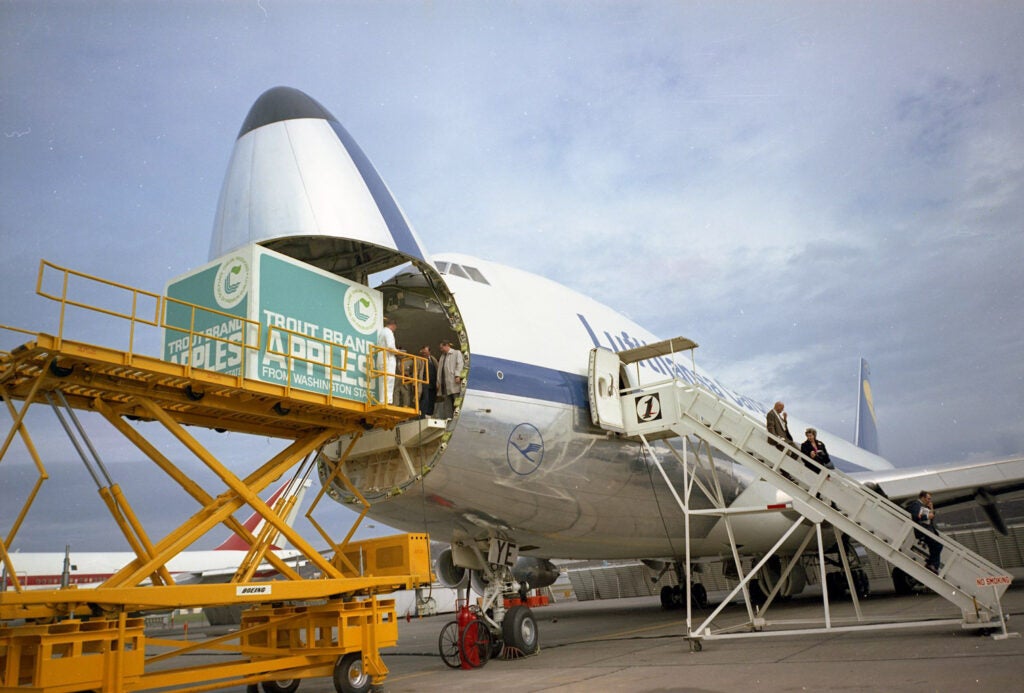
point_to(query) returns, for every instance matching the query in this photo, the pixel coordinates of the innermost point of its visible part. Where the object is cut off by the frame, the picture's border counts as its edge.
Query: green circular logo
(361, 309)
(232, 282)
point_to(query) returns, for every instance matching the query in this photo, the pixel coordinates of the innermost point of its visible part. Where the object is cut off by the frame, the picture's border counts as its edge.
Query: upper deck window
(463, 271)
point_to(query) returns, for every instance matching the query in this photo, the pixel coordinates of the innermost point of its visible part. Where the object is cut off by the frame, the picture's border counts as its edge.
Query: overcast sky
(793, 185)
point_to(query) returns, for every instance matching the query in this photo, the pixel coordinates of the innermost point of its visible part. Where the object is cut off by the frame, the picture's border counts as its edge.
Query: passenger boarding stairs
(676, 407)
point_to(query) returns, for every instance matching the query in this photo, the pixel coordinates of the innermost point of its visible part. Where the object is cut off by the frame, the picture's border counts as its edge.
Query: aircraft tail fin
(254, 523)
(866, 436)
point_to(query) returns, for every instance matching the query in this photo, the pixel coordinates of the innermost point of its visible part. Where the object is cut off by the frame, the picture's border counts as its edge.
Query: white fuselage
(579, 492)
(521, 459)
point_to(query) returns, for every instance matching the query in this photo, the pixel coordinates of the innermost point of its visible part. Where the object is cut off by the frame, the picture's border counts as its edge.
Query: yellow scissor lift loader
(69, 639)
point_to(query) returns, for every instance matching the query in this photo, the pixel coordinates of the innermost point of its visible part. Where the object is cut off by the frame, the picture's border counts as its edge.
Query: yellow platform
(60, 640)
(86, 373)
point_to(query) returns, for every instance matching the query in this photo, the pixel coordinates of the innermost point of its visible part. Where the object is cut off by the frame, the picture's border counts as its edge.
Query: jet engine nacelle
(450, 574)
(531, 574)
(479, 582)
(535, 572)
(459, 571)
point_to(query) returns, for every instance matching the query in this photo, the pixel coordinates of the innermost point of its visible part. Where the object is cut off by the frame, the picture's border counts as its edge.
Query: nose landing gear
(472, 639)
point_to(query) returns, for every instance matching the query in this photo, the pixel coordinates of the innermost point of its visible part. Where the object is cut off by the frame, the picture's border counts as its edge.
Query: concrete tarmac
(634, 645)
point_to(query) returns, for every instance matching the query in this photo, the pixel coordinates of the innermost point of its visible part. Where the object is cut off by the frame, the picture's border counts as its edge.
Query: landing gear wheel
(350, 676)
(519, 630)
(836, 583)
(699, 595)
(476, 643)
(903, 583)
(758, 595)
(666, 598)
(677, 597)
(497, 646)
(838, 587)
(861, 583)
(283, 686)
(448, 644)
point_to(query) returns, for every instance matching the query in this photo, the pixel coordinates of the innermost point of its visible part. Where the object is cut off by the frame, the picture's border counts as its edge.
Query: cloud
(792, 185)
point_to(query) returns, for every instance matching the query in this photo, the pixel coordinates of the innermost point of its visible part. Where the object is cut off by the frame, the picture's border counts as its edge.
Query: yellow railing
(132, 316)
(248, 340)
(3, 352)
(198, 346)
(290, 342)
(410, 370)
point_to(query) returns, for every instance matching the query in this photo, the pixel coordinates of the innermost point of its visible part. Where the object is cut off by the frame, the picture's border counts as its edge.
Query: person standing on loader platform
(387, 360)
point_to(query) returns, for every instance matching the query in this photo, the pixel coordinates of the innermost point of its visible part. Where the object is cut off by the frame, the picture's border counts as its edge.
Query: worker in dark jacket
(923, 512)
(815, 449)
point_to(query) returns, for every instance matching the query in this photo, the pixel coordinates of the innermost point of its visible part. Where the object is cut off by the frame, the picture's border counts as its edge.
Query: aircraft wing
(954, 484)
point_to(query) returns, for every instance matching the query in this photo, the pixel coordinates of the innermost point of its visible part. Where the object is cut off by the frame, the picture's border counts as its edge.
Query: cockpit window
(463, 271)
(457, 271)
(475, 274)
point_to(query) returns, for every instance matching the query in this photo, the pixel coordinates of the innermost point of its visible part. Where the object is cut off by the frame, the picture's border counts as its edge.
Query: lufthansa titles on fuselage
(620, 340)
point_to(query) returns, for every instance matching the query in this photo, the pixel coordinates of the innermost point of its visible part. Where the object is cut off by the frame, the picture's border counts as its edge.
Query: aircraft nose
(299, 184)
(283, 103)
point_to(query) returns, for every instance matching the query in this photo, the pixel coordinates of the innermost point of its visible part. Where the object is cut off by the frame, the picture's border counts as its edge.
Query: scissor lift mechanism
(70, 639)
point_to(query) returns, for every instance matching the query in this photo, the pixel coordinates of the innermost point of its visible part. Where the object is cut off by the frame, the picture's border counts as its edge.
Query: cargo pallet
(56, 640)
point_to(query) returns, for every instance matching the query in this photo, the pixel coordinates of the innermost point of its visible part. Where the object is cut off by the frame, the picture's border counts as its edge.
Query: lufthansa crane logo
(525, 449)
(869, 399)
(648, 408)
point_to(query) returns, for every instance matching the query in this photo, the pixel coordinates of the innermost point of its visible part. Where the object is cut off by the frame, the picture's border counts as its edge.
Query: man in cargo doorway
(405, 389)
(387, 360)
(449, 380)
(427, 370)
